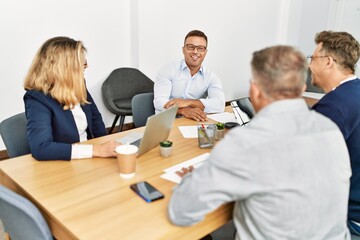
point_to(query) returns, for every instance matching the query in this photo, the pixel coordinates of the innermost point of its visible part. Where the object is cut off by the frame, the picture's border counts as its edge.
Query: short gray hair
(281, 71)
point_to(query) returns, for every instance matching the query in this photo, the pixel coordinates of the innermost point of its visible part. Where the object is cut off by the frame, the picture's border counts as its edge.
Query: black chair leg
(114, 122)
(122, 119)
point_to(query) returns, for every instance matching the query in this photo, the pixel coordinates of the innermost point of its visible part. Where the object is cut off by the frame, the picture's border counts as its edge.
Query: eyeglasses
(311, 57)
(191, 47)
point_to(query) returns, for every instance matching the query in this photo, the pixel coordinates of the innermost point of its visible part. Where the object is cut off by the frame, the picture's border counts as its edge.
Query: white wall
(234, 29)
(345, 16)
(312, 21)
(103, 26)
(148, 34)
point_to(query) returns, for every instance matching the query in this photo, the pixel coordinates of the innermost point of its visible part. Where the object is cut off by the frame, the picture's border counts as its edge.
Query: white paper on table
(196, 162)
(313, 95)
(222, 117)
(188, 131)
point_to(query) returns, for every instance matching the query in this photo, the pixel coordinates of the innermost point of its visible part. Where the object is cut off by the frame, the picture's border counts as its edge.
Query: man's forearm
(196, 103)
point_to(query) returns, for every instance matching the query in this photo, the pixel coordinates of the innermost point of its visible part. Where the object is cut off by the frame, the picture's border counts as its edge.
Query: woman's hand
(105, 149)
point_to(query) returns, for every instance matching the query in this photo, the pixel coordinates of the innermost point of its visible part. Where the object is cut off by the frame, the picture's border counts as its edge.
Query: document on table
(196, 162)
(313, 95)
(222, 117)
(188, 131)
(191, 131)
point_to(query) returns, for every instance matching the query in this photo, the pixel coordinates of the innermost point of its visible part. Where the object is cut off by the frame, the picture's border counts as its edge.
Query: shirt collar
(346, 80)
(283, 106)
(184, 66)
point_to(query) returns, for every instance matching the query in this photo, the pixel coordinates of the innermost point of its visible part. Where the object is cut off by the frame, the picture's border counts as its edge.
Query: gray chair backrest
(310, 87)
(124, 83)
(2, 231)
(21, 219)
(13, 133)
(142, 107)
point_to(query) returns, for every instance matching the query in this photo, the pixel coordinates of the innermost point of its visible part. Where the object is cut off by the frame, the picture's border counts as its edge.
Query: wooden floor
(3, 155)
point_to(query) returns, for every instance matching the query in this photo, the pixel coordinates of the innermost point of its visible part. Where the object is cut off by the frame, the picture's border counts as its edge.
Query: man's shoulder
(352, 87)
(345, 95)
(320, 121)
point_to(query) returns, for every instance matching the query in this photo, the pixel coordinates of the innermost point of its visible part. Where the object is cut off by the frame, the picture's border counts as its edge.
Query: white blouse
(81, 150)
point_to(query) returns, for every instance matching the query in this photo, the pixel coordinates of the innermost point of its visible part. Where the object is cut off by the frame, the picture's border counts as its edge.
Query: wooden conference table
(86, 199)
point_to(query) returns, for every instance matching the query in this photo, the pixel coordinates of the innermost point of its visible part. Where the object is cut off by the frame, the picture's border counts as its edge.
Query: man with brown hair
(188, 84)
(288, 170)
(333, 69)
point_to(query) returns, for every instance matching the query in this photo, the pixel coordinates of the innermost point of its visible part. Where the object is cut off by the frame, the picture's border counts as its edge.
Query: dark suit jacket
(51, 130)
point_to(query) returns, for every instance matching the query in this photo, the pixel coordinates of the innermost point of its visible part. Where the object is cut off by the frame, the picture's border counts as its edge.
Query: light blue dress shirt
(175, 81)
(288, 172)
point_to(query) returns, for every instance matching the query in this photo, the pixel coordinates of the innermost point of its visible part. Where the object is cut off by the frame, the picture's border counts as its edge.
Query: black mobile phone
(146, 191)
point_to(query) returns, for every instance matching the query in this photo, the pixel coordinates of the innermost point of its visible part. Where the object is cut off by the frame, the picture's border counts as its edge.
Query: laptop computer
(157, 129)
(243, 110)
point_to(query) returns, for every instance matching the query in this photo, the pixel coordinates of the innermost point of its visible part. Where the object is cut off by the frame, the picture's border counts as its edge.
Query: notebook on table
(157, 129)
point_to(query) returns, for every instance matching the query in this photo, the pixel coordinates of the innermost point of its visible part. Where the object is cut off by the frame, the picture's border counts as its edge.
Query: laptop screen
(243, 110)
(157, 130)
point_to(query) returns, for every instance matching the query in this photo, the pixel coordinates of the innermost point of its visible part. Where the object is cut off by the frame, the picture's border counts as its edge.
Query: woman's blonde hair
(57, 70)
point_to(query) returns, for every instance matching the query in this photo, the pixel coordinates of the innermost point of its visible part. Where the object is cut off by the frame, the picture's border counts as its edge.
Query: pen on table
(203, 131)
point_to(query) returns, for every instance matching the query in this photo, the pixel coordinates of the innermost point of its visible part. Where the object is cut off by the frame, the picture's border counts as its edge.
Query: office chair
(21, 219)
(309, 86)
(13, 133)
(142, 106)
(246, 106)
(120, 87)
(3, 234)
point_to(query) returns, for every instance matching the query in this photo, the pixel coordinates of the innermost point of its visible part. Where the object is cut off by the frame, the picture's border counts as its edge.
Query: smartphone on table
(146, 191)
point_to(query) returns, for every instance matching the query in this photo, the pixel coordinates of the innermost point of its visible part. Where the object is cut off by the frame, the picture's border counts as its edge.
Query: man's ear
(255, 96)
(304, 88)
(255, 90)
(329, 62)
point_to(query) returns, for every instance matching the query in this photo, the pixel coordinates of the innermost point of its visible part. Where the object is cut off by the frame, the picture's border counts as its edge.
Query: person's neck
(193, 70)
(335, 80)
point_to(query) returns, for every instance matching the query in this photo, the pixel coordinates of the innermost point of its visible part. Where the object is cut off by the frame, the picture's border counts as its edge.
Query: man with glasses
(188, 84)
(333, 69)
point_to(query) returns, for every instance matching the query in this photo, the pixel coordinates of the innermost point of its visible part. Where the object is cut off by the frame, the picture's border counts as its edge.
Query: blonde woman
(59, 109)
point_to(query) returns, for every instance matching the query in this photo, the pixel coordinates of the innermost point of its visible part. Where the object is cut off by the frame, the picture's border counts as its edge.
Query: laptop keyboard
(136, 143)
